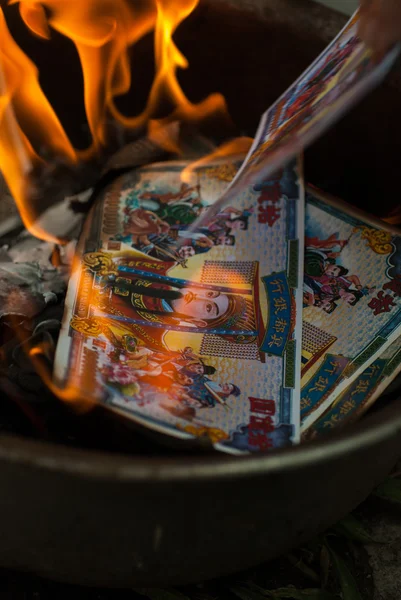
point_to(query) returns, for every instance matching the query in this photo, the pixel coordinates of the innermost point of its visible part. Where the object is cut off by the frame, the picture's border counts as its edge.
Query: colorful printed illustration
(340, 76)
(194, 340)
(156, 221)
(352, 300)
(335, 81)
(362, 393)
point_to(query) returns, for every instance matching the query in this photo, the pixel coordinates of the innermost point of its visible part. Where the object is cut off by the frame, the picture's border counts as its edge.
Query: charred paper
(341, 76)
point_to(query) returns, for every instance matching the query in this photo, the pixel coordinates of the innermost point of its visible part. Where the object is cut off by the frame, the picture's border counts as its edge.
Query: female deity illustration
(140, 292)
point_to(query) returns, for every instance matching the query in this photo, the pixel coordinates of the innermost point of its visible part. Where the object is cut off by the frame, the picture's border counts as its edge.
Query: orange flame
(26, 119)
(238, 146)
(170, 13)
(69, 394)
(103, 32)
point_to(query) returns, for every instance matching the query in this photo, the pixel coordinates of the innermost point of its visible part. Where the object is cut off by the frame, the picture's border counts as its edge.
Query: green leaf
(161, 594)
(347, 582)
(389, 490)
(353, 530)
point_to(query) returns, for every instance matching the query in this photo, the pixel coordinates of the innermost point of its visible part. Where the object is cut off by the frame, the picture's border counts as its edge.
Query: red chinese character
(263, 423)
(381, 304)
(270, 190)
(273, 214)
(257, 439)
(394, 286)
(269, 214)
(259, 427)
(271, 193)
(275, 192)
(262, 406)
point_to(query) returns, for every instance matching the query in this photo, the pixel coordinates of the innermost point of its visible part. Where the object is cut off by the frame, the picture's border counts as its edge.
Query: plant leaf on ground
(346, 580)
(351, 528)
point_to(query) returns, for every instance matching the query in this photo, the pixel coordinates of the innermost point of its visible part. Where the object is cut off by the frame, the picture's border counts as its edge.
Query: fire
(26, 119)
(103, 32)
(170, 13)
(238, 146)
(69, 394)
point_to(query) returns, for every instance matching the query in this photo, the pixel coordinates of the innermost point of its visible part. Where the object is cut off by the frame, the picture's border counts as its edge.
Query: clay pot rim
(93, 464)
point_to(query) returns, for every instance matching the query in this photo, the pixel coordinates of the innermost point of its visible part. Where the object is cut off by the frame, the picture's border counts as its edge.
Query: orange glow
(394, 218)
(34, 16)
(240, 145)
(69, 394)
(30, 105)
(103, 32)
(22, 101)
(168, 58)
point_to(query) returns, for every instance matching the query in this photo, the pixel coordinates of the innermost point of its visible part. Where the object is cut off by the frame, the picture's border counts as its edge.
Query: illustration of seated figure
(153, 299)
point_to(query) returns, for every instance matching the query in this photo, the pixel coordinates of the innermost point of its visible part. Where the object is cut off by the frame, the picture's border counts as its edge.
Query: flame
(238, 146)
(23, 103)
(170, 13)
(103, 32)
(69, 394)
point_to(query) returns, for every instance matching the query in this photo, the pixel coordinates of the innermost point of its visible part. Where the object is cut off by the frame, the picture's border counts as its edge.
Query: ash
(33, 283)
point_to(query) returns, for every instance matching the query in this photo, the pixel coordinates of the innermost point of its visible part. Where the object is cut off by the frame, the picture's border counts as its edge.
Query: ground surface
(359, 559)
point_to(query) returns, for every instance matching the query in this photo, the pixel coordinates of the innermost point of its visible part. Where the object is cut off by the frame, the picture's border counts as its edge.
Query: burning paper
(29, 277)
(200, 341)
(25, 289)
(184, 306)
(338, 78)
(32, 138)
(203, 339)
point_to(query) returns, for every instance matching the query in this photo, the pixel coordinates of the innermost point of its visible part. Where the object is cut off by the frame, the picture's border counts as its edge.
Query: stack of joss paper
(224, 300)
